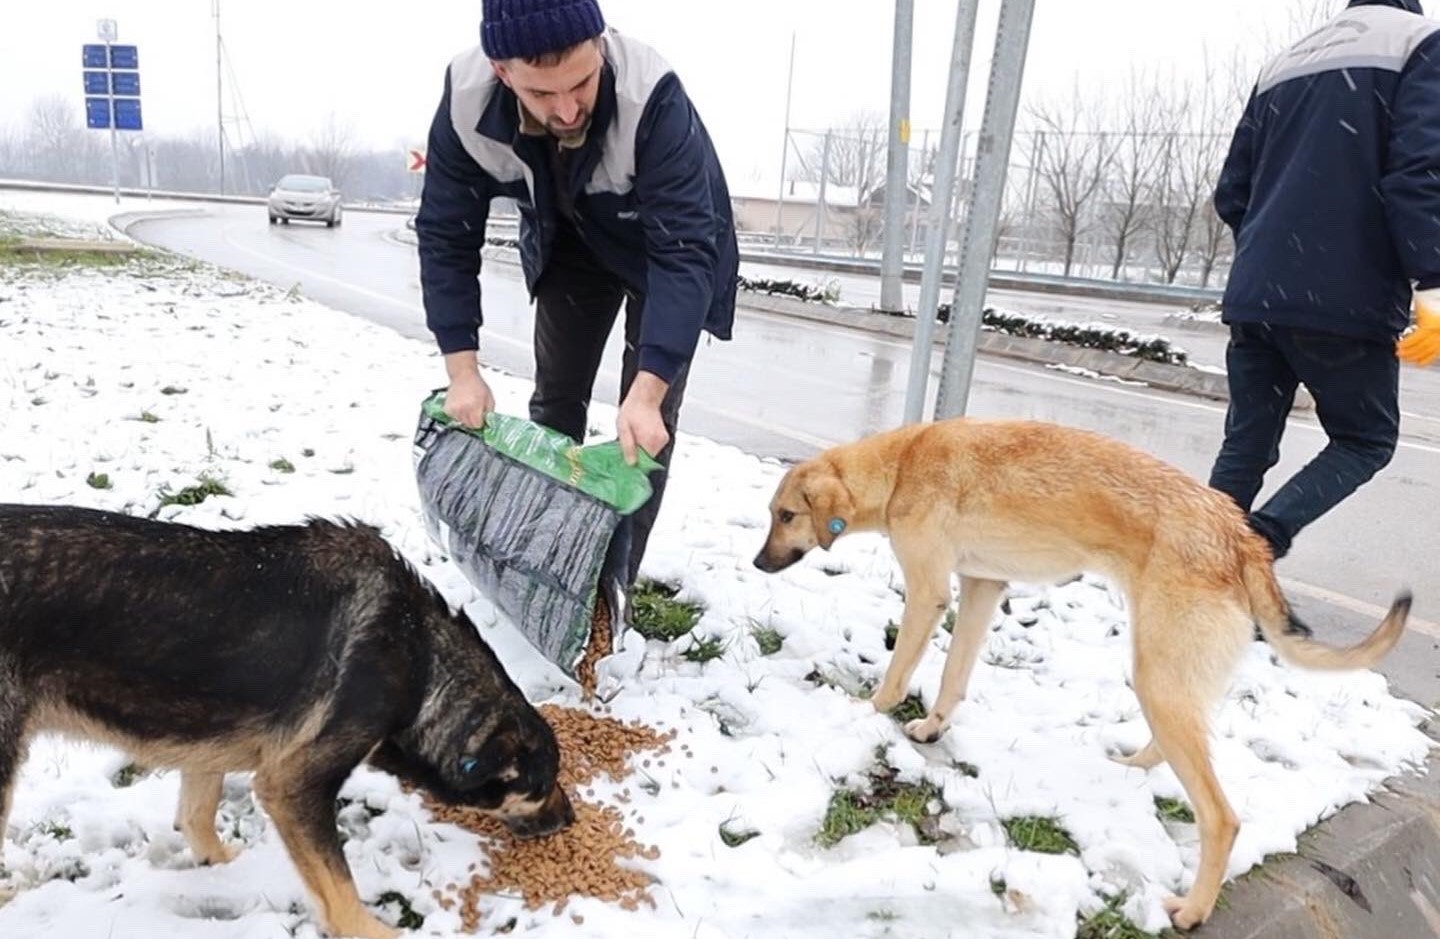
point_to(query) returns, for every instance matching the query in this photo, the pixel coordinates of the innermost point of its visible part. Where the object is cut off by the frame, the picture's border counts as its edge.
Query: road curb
(1372, 871)
(1177, 378)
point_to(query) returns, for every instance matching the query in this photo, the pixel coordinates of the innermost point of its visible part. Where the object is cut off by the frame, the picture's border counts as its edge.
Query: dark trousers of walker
(1355, 384)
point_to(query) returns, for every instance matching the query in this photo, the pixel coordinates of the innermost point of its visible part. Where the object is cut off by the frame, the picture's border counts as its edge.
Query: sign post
(111, 75)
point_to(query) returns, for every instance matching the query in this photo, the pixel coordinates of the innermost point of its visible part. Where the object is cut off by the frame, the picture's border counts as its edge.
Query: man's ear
(831, 508)
(501, 72)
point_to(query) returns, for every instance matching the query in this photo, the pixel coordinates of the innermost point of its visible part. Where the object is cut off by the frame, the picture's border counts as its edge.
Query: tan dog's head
(811, 507)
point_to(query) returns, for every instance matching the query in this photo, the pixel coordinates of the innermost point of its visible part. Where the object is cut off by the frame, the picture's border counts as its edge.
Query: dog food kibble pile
(601, 639)
(580, 861)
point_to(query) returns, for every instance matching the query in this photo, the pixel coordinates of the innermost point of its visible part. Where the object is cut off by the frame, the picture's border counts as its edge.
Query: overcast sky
(378, 66)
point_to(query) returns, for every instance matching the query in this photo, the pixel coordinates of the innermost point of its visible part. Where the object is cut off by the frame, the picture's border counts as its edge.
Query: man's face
(561, 96)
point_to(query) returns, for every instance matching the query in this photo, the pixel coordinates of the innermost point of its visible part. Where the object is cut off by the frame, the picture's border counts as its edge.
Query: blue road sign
(124, 57)
(94, 56)
(97, 113)
(97, 83)
(125, 83)
(127, 114)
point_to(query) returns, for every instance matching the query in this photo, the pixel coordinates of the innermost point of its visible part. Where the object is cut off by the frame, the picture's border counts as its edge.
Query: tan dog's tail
(1272, 613)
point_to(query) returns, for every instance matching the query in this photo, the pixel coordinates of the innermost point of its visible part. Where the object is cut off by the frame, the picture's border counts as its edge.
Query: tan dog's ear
(831, 508)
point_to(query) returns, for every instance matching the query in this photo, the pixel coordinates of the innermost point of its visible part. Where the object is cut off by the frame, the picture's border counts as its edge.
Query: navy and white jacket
(1332, 183)
(650, 201)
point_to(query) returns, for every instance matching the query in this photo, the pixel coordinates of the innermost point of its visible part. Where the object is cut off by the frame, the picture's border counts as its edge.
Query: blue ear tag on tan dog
(836, 526)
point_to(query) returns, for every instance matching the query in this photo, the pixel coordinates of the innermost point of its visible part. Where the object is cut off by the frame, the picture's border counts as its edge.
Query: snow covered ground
(158, 375)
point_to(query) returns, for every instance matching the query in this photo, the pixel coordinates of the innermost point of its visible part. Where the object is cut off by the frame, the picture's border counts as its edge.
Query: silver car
(312, 198)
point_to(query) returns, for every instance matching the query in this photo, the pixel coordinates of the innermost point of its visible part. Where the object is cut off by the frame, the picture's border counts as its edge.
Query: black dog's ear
(831, 507)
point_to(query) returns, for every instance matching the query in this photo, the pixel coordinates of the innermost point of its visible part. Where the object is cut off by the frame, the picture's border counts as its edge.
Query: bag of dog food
(531, 519)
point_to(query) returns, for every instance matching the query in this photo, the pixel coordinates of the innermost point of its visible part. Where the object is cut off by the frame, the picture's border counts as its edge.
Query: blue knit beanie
(524, 29)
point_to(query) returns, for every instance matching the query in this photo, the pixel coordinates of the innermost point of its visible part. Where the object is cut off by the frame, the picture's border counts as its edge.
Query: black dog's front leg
(303, 808)
(13, 714)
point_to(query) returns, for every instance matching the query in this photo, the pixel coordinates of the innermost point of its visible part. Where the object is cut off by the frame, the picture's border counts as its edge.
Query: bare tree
(1131, 182)
(1074, 161)
(1221, 104)
(332, 150)
(56, 141)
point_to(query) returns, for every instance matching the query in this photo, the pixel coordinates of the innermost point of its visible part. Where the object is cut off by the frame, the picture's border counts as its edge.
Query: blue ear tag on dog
(467, 765)
(836, 526)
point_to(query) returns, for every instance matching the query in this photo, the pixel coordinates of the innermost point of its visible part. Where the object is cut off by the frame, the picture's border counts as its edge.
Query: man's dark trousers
(576, 302)
(1355, 384)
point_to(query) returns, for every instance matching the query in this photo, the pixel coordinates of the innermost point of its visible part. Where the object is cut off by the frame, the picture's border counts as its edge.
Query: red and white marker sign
(415, 160)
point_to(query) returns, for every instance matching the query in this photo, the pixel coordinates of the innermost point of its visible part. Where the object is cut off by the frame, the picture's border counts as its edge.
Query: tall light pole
(219, 95)
(897, 167)
(784, 147)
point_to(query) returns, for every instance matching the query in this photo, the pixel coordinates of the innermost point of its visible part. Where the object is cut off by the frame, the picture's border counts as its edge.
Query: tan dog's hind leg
(304, 814)
(927, 594)
(1147, 757)
(978, 599)
(199, 800)
(1185, 650)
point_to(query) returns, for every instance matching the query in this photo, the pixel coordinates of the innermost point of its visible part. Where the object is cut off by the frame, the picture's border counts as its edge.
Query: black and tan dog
(995, 501)
(296, 652)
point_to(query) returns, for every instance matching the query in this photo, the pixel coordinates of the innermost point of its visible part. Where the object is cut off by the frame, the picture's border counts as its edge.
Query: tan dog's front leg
(927, 594)
(978, 599)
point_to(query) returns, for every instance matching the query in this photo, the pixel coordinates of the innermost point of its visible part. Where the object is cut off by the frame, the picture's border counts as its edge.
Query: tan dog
(1016, 500)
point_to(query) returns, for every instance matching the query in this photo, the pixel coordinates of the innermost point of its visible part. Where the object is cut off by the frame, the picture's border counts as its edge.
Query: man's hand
(468, 399)
(1421, 346)
(639, 422)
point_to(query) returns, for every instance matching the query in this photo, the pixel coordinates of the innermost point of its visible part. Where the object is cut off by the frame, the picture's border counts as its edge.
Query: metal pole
(820, 196)
(919, 180)
(1037, 150)
(892, 261)
(939, 222)
(114, 135)
(1002, 101)
(219, 98)
(785, 147)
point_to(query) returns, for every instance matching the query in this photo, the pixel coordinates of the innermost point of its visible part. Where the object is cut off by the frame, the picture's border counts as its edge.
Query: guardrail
(179, 196)
(1000, 279)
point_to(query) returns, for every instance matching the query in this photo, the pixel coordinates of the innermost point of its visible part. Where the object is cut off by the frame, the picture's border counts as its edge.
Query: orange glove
(1421, 345)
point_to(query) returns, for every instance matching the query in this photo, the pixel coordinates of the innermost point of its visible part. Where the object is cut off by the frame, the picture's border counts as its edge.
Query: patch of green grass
(127, 775)
(174, 390)
(307, 452)
(205, 487)
(147, 418)
(948, 623)
(768, 639)
(968, 770)
(1038, 833)
(12, 252)
(734, 838)
(1110, 923)
(409, 919)
(1173, 810)
(891, 631)
(998, 886)
(99, 481)
(658, 615)
(851, 810)
(704, 649)
(57, 830)
(911, 709)
(882, 915)
(282, 465)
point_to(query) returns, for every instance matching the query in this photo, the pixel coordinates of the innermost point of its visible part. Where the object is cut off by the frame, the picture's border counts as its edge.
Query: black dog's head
(476, 741)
